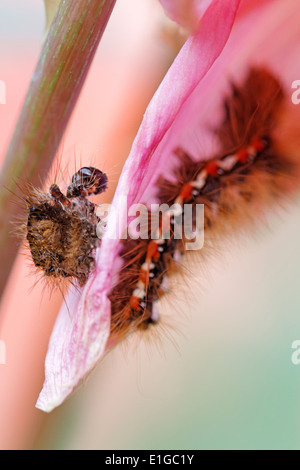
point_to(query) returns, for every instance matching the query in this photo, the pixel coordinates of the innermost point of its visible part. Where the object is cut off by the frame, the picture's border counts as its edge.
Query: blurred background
(220, 375)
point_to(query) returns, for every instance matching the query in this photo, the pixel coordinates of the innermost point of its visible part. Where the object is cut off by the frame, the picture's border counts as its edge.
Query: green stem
(56, 84)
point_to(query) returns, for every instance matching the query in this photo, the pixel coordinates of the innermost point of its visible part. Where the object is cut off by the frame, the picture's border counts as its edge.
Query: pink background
(219, 374)
(106, 118)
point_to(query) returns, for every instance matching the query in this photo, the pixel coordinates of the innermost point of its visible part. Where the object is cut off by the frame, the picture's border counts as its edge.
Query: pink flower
(186, 12)
(188, 98)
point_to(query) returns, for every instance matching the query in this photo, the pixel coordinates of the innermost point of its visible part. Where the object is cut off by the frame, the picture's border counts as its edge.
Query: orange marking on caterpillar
(186, 192)
(143, 276)
(242, 155)
(134, 303)
(152, 251)
(257, 144)
(211, 168)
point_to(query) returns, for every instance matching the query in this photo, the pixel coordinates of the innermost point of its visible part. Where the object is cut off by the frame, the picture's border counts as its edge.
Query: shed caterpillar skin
(250, 173)
(61, 230)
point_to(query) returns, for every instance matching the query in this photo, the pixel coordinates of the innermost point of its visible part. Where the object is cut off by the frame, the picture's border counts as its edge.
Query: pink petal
(266, 35)
(188, 69)
(79, 338)
(187, 13)
(76, 341)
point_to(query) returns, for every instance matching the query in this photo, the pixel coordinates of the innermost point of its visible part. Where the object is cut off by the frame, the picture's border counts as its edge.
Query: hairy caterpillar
(248, 173)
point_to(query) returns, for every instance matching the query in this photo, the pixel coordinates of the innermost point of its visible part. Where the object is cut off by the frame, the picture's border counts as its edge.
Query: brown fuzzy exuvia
(62, 230)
